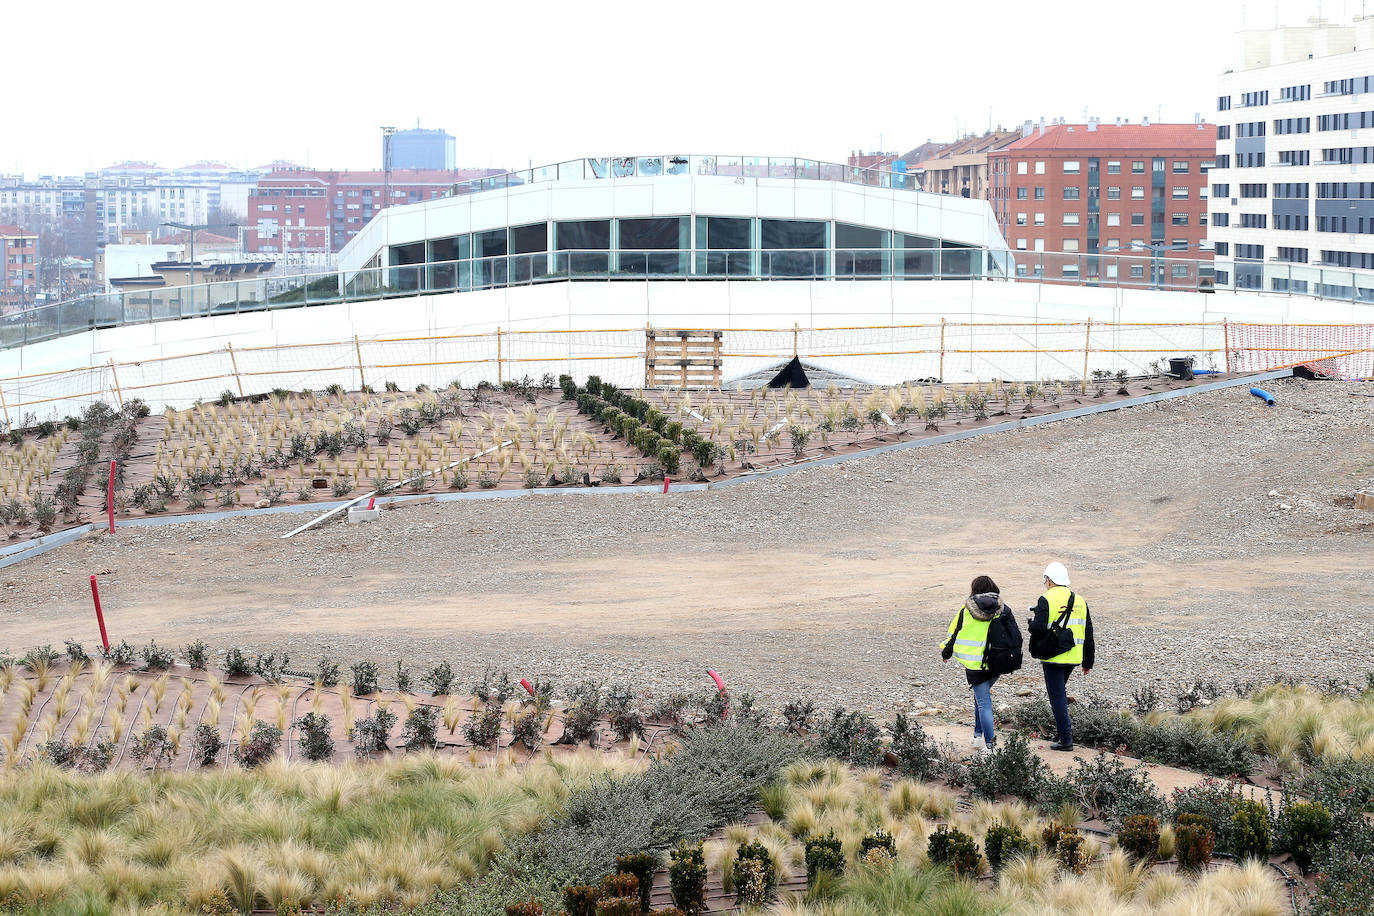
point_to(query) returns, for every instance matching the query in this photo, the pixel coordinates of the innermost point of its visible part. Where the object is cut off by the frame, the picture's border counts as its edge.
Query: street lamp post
(191, 231)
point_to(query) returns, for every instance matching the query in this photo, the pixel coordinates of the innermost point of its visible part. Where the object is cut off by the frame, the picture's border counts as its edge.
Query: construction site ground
(1212, 536)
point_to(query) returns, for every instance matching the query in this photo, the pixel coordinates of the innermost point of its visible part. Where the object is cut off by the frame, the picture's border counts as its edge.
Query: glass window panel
(640, 239)
(488, 252)
(860, 251)
(528, 242)
(582, 239)
(917, 258)
(729, 245)
(797, 247)
(443, 254)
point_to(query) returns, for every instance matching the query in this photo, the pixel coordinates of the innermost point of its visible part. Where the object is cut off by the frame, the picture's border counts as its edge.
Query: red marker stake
(524, 682)
(666, 481)
(109, 501)
(371, 502)
(99, 616)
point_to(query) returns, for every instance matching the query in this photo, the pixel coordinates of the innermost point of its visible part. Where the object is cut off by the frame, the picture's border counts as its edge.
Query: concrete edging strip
(14, 553)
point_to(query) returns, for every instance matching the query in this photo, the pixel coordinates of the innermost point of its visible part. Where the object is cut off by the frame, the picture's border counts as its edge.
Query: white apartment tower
(1292, 197)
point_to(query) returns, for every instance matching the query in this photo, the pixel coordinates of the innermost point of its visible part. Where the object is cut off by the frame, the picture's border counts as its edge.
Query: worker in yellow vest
(1061, 636)
(985, 639)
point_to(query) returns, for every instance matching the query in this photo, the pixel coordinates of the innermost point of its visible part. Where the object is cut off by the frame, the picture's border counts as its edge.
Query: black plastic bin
(1181, 367)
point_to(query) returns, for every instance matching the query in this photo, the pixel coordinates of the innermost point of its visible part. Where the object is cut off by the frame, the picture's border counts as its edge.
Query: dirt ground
(1213, 538)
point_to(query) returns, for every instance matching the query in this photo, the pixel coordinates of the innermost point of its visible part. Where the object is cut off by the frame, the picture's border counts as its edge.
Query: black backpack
(1003, 652)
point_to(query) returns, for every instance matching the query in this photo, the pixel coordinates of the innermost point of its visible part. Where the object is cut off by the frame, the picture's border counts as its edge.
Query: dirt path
(837, 582)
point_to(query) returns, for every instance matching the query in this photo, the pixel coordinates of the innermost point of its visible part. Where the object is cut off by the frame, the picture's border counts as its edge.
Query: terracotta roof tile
(1202, 138)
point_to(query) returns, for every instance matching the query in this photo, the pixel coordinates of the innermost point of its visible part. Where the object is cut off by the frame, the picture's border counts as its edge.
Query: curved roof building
(681, 216)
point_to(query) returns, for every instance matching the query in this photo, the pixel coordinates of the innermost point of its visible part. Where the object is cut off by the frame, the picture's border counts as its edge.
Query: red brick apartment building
(1120, 200)
(300, 210)
(18, 267)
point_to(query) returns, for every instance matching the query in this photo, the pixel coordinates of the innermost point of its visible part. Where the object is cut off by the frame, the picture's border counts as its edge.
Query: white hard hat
(1057, 574)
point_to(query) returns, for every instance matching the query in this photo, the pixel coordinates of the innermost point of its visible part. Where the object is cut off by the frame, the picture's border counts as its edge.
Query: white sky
(247, 81)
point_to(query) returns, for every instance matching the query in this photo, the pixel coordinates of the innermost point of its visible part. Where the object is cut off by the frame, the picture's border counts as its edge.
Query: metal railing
(1148, 271)
(785, 167)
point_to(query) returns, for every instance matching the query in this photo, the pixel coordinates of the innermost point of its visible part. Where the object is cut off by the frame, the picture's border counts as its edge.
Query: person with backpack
(985, 639)
(1061, 636)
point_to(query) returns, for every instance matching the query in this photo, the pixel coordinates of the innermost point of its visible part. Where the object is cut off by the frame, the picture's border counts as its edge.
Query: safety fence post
(500, 379)
(115, 375)
(942, 350)
(358, 348)
(233, 362)
(1087, 348)
(1226, 342)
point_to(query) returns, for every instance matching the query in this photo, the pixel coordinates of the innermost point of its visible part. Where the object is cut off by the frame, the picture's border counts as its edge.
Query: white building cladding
(675, 216)
(1292, 196)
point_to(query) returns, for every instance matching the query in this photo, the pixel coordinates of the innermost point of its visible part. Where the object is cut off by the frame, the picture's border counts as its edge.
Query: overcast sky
(246, 82)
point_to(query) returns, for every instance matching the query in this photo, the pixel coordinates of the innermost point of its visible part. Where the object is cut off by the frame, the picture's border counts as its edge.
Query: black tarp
(791, 375)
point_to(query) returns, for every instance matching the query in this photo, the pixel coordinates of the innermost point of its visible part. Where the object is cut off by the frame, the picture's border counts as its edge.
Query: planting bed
(294, 447)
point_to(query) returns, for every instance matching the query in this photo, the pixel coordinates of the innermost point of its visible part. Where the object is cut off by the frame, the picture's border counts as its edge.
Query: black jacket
(1040, 622)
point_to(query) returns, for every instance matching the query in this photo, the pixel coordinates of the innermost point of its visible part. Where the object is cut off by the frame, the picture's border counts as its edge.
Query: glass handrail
(1143, 270)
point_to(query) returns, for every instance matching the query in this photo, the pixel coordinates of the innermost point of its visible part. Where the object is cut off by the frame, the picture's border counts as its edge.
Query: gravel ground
(1213, 538)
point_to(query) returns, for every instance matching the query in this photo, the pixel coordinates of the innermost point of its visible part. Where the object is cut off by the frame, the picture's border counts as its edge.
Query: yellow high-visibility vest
(1058, 600)
(971, 641)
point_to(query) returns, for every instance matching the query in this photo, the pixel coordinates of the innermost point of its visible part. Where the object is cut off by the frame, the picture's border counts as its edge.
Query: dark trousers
(1056, 686)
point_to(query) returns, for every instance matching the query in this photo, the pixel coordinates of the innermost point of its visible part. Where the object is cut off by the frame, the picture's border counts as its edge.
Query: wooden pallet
(681, 358)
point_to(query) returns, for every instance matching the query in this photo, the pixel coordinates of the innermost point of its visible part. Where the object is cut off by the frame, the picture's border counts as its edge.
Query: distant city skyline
(540, 82)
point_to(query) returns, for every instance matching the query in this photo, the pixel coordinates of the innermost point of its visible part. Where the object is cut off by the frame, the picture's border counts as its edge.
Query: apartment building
(18, 267)
(962, 167)
(297, 210)
(1120, 200)
(1292, 204)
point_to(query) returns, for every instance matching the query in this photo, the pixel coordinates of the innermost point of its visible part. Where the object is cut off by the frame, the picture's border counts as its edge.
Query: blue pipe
(1263, 395)
(1206, 372)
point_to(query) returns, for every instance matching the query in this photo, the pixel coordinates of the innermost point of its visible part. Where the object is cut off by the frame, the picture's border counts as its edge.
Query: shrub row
(633, 420)
(712, 779)
(1175, 741)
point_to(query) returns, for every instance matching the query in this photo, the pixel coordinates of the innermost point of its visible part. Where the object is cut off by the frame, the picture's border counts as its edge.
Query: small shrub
(207, 744)
(487, 480)
(1012, 769)
(1002, 843)
(917, 754)
(484, 729)
(327, 672)
(439, 679)
(152, 746)
(75, 651)
(121, 653)
(1139, 838)
(1195, 840)
(316, 742)
(365, 678)
(797, 716)
(236, 663)
(1216, 801)
(261, 746)
(1072, 853)
(197, 655)
(1252, 834)
(610, 473)
(951, 847)
(527, 730)
(1307, 827)
(271, 666)
(44, 512)
(617, 906)
(529, 907)
(459, 479)
(686, 879)
(852, 737)
(580, 900)
(753, 874)
(619, 884)
(341, 486)
(402, 677)
(421, 731)
(373, 734)
(1108, 789)
(156, 658)
(878, 839)
(824, 854)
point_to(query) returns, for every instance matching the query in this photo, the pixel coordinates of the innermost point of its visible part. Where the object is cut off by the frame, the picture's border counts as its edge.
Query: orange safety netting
(1335, 350)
